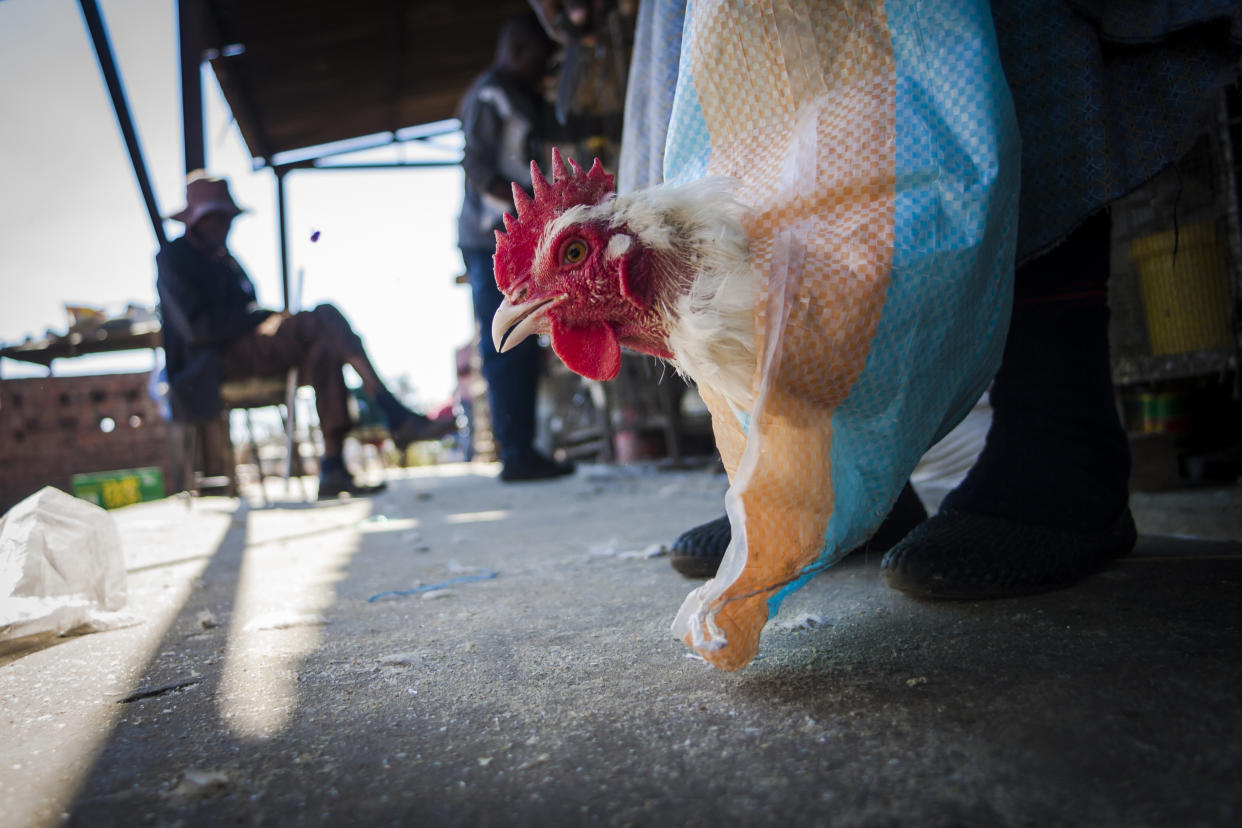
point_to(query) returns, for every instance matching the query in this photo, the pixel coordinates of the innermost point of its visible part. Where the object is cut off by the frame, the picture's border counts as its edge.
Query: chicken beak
(514, 322)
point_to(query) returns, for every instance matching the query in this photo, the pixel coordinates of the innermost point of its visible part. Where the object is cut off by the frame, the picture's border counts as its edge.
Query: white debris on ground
(283, 620)
(402, 659)
(607, 549)
(195, 782)
(655, 550)
(612, 549)
(801, 621)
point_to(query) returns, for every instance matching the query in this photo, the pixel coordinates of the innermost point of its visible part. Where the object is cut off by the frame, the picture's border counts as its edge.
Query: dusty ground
(536, 682)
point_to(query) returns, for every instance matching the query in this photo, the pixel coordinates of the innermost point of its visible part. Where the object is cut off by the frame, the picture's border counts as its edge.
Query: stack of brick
(53, 428)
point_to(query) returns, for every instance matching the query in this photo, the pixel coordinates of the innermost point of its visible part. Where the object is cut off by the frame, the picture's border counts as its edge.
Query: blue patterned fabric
(1095, 119)
(688, 146)
(954, 235)
(1106, 95)
(649, 95)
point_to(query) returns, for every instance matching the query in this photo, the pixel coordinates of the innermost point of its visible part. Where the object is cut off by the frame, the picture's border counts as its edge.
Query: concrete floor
(542, 686)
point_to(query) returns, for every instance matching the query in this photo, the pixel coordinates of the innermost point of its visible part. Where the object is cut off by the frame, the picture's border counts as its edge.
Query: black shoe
(975, 557)
(416, 428)
(697, 552)
(335, 484)
(533, 466)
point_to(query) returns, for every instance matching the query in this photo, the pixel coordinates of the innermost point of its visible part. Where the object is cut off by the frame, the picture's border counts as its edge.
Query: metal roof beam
(112, 78)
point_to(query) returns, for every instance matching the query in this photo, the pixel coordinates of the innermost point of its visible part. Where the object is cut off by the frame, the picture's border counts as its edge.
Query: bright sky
(73, 227)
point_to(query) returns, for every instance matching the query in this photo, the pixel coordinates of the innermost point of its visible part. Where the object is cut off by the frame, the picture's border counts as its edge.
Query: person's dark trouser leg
(315, 342)
(318, 343)
(328, 343)
(1046, 502)
(512, 377)
(1056, 453)
(331, 343)
(323, 340)
(321, 369)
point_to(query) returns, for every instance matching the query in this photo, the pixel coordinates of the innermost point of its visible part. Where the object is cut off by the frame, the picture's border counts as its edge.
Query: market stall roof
(303, 73)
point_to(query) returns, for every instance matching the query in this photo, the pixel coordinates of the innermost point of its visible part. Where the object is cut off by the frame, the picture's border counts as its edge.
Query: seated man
(214, 332)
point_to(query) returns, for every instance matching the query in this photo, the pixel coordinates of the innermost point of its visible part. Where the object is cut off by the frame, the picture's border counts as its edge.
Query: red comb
(570, 187)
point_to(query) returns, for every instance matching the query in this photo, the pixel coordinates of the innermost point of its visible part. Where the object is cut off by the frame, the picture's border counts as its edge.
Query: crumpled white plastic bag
(62, 568)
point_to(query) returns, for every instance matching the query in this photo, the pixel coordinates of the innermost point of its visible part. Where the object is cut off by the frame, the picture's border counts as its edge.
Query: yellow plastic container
(1185, 298)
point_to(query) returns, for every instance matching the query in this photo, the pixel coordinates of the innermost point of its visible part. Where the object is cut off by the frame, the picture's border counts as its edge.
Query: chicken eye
(574, 252)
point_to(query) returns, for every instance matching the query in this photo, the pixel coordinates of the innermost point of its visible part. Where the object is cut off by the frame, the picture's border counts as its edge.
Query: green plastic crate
(113, 489)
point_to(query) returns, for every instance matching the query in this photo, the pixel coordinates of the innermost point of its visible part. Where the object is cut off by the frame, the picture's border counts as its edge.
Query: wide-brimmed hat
(204, 195)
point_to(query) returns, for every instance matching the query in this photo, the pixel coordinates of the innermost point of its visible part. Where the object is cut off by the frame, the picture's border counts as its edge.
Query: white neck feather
(697, 228)
(713, 335)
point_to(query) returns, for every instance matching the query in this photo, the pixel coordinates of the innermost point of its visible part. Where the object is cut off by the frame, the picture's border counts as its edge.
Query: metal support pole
(284, 235)
(190, 44)
(103, 52)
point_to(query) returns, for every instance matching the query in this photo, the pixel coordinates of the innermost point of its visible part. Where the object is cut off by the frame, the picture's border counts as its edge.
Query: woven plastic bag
(876, 145)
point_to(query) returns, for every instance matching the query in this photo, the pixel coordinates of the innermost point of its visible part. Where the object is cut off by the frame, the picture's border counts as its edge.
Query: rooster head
(568, 268)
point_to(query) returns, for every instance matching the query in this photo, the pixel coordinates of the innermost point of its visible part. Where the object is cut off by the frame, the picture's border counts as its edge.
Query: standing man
(215, 331)
(506, 122)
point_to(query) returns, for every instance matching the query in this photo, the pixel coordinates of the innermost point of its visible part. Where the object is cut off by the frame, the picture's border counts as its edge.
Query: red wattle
(590, 349)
